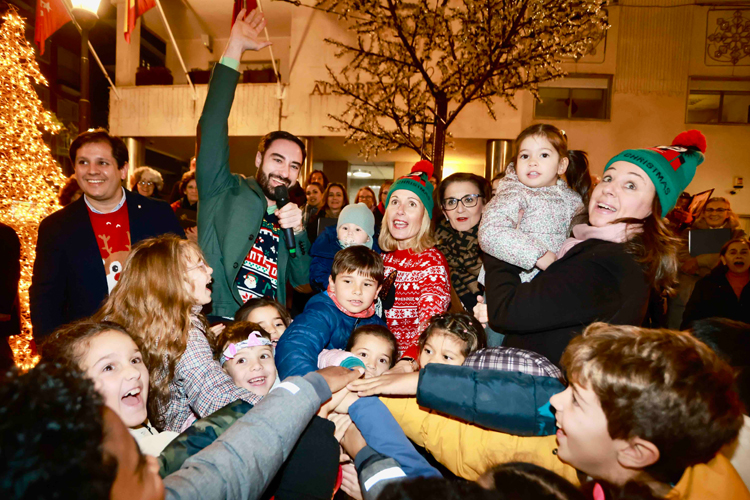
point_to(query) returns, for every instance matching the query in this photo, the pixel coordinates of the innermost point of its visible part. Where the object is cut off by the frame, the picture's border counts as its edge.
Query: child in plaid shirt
(159, 297)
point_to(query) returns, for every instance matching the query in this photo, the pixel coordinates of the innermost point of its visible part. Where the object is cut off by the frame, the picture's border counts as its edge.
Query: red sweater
(422, 291)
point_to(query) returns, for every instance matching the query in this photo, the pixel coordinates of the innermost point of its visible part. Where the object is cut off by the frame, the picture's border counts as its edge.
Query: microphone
(282, 198)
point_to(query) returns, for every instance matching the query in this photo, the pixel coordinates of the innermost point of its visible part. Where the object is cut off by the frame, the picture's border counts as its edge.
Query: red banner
(134, 10)
(51, 15)
(250, 5)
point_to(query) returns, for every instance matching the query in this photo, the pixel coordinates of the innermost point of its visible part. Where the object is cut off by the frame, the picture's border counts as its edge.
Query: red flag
(250, 5)
(51, 15)
(133, 10)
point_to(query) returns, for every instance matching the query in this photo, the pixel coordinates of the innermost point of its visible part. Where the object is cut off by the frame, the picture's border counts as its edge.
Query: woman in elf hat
(606, 271)
(417, 286)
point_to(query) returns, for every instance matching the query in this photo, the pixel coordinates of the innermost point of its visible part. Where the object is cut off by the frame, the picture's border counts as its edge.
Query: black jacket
(595, 281)
(69, 280)
(713, 297)
(10, 255)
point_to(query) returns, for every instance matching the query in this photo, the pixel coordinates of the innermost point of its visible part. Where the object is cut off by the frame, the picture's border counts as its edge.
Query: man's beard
(264, 181)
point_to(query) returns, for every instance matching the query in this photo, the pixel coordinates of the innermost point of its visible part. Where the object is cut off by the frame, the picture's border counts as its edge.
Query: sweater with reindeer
(419, 289)
(112, 233)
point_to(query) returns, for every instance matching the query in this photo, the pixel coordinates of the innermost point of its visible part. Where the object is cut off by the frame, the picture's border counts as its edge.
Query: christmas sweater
(420, 290)
(112, 232)
(258, 276)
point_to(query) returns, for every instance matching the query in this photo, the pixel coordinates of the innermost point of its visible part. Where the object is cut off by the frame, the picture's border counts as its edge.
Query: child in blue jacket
(355, 226)
(330, 317)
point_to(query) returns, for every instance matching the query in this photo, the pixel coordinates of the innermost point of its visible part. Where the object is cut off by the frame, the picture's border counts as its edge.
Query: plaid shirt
(512, 359)
(199, 387)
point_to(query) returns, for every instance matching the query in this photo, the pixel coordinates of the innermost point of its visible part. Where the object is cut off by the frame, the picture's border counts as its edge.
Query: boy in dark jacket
(330, 317)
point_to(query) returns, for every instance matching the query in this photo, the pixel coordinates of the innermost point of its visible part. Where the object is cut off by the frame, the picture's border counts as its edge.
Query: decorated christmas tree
(29, 176)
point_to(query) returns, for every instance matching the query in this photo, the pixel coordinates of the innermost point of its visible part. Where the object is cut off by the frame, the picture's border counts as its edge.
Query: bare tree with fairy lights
(415, 65)
(29, 176)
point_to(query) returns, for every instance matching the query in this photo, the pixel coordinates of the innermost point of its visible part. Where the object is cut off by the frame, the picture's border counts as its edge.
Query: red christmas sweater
(422, 291)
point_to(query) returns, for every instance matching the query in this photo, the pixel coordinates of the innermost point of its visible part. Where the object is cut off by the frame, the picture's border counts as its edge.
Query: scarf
(364, 314)
(616, 233)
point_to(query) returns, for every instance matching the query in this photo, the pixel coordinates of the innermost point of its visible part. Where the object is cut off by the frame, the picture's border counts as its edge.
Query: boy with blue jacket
(330, 317)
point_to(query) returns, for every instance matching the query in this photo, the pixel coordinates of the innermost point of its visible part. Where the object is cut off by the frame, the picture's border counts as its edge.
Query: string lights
(29, 176)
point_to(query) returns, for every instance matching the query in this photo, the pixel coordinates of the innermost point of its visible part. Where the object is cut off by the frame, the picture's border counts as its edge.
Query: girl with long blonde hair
(159, 296)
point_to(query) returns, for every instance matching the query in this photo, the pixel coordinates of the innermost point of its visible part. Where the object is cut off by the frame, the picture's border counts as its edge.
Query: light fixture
(361, 174)
(87, 5)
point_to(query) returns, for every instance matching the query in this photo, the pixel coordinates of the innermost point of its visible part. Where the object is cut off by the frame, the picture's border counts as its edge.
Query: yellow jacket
(468, 451)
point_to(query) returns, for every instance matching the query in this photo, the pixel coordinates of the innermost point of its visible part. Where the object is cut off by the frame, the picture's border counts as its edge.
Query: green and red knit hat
(418, 183)
(670, 168)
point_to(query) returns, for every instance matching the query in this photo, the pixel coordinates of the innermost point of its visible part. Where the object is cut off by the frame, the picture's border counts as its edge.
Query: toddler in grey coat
(529, 218)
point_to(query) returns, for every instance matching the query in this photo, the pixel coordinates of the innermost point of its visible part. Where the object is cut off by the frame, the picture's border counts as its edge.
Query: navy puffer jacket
(320, 326)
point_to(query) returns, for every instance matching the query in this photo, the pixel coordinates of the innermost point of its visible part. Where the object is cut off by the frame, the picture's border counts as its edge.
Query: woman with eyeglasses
(717, 214)
(462, 198)
(147, 181)
(164, 285)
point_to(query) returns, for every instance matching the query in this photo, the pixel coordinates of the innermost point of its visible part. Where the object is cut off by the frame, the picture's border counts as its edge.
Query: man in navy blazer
(82, 248)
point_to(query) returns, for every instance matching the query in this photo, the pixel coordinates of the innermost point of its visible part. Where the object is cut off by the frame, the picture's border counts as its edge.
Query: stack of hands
(392, 383)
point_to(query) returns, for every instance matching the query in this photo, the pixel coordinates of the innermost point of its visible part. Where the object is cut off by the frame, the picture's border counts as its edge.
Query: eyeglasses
(468, 201)
(145, 183)
(202, 265)
(716, 210)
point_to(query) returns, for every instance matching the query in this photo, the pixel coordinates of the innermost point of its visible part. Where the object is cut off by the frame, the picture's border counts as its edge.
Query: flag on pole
(51, 15)
(249, 5)
(133, 10)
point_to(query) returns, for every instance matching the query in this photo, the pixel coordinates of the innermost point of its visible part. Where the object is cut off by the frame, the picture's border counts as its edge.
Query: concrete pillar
(308, 165)
(136, 153)
(128, 54)
(499, 154)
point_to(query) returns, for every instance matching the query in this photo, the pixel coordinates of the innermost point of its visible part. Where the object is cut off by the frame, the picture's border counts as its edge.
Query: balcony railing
(171, 111)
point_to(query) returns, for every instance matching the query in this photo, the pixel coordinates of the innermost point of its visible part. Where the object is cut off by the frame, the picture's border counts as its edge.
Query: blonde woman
(159, 297)
(147, 181)
(417, 286)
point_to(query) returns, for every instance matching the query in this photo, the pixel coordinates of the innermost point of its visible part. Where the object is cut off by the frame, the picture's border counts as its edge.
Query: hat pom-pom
(691, 138)
(423, 166)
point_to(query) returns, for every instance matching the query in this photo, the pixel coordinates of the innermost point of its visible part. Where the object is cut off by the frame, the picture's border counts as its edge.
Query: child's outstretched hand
(399, 384)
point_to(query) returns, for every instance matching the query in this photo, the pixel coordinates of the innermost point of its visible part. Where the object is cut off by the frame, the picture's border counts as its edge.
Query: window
(575, 97)
(713, 100)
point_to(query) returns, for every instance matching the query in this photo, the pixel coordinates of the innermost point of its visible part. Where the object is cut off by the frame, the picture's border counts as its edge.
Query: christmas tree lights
(29, 176)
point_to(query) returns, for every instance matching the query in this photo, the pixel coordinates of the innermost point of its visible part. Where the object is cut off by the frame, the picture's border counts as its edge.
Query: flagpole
(93, 52)
(280, 90)
(176, 49)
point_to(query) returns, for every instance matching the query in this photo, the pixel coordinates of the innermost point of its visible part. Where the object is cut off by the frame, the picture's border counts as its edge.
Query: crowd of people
(483, 338)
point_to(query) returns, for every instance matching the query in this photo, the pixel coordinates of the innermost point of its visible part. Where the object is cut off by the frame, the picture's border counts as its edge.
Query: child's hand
(403, 384)
(546, 260)
(217, 329)
(342, 423)
(350, 481)
(332, 403)
(403, 366)
(480, 311)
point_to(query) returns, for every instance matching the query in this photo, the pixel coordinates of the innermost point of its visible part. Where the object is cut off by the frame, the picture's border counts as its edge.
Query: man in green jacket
(239, 225)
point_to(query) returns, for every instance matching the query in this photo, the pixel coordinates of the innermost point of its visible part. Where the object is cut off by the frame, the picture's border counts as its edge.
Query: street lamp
(85, 12)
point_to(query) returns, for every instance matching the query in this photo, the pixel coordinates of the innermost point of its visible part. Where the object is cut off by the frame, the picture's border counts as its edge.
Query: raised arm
(212, 165)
